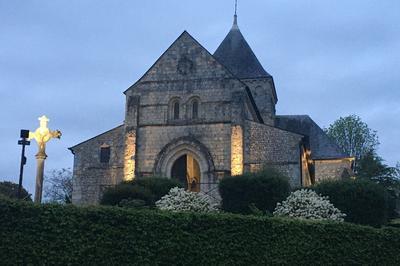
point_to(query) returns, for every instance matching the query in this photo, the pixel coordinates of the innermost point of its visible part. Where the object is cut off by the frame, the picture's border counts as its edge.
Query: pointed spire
(235, 53)
(235, 25)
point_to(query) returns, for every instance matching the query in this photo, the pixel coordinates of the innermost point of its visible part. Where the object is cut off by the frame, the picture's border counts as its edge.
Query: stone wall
(90, 176)
(332, 169)
(186, 71)
(264, 96)
(269, 146)
(152, 139)
(185, 59)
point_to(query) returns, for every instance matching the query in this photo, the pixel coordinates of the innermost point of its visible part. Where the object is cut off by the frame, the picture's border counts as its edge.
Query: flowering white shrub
(308, 204)
(178, 199)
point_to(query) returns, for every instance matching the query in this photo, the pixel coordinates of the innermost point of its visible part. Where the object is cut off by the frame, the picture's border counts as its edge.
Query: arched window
(176, 110)
(195, 109)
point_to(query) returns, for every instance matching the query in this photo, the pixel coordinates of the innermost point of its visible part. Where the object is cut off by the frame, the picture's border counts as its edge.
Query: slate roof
(321, 146)
(235, 53)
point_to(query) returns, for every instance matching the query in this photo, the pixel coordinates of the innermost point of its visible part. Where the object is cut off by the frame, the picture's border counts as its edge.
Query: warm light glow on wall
(129, 156)
(305, 155)
(237, 150)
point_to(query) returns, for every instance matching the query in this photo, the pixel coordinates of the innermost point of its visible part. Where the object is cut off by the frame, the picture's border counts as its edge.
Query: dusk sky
(72, 60)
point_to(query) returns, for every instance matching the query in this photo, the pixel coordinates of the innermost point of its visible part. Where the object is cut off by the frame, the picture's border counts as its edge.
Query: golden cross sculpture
(42, 135)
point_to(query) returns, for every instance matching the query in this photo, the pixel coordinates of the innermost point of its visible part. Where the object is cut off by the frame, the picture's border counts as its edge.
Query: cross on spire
(235, 7)
(235, 26)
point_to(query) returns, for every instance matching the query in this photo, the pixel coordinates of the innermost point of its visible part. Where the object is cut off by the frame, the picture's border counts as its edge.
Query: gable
(185, 59)
(110, 137)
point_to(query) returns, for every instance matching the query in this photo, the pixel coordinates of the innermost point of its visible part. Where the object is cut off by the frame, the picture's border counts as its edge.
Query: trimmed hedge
(67, 235)
(363, 201)
(263, 190)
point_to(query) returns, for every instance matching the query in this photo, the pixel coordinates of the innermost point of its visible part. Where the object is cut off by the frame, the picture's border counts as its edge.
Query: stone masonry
(213, 108)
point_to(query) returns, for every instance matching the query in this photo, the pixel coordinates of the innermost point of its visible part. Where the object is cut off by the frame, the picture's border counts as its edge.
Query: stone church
(199, 117)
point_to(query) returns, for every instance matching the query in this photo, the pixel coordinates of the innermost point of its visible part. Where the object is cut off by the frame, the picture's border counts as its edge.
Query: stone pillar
(129, 156)
(237, 134)
(237, 150)
(130, 136)
(40, 157)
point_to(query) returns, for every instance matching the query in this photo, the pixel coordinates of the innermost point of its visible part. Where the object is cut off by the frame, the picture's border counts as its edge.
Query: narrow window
(195, 109)
(105, 154)
(176, 110)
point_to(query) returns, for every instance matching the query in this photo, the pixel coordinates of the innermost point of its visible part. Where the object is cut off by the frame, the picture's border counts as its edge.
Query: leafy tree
(353, 136)
(58, 186)
(10, 190)
(363, 201)
(372, 167)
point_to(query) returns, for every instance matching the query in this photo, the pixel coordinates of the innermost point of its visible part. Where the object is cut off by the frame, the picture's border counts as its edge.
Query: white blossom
(178, 199)
(308, 204)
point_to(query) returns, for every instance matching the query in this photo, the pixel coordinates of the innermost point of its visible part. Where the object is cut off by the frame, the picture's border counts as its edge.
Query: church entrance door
(187, 170)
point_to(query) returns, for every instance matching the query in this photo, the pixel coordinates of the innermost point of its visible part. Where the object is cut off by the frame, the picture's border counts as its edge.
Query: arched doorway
(187, 147)
(187, 170)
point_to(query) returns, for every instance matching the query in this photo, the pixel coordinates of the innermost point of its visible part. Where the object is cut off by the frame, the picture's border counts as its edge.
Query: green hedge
(262, 190)
(68, 235)
(363, 201)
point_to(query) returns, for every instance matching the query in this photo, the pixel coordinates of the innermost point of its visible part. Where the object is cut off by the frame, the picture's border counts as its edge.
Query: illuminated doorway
(187, 170)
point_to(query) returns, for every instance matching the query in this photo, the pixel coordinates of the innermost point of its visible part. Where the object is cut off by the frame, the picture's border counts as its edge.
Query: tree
(353, 136)
(58, 186)
(372, 167)
(10, 190)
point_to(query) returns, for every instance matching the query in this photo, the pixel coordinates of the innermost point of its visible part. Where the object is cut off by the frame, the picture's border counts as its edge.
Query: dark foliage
(10, 190)
(372, 167)
(67, 235)
(159, 186)
(123, 192)
(262, 190)
(363, 201)
(146, 189)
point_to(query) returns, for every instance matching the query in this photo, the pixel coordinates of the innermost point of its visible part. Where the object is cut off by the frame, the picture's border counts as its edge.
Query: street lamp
(24, 142)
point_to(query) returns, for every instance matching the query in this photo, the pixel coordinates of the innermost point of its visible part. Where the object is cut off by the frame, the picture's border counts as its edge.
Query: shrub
(114, 195)
(362, 201)
(262, 190)
(307, 204)
(178, 199)
(159, 186)
(69, 235)
(147, 189)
